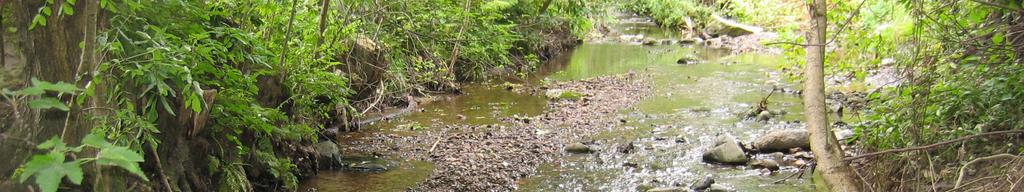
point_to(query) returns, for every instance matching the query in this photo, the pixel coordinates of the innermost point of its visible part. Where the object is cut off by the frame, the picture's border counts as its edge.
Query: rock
(680, 140)
(718, 188)
(688, 41)
(803, 154)
(777, 156)
(843, 134)
(368, 167)
(668, 189)
(783, 140)
(553, 93)
(726, 150)
(769, 164)
(628, 148)
(687, 60)
(704, 184)
(764, 116)
(558, 94)
(732, 28)
(579, 148)
(329, 154)
(644, 187)
(650, 42)
(799, 163)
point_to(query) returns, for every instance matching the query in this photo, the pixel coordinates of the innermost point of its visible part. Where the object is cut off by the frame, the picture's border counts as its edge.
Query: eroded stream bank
(507, 136)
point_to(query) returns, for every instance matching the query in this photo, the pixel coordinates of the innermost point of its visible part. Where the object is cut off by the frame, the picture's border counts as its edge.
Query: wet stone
(718, 188)
(783, 140)
(668, 189)
(704, 184)
(579, 148)
(769, 164)
(367, 167)
(726, 150)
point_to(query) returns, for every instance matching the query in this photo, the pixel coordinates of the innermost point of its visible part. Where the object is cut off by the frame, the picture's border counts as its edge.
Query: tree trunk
(827, 152)
(323, 26)
(544, 9)
(287, 34)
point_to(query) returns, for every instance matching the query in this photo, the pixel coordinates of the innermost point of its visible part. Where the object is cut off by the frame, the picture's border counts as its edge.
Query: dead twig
(963, 169)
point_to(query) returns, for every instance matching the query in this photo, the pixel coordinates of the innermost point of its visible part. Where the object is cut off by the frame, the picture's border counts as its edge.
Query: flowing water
(690, 105)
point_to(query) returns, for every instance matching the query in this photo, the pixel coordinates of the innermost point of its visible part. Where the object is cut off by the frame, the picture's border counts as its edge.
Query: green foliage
(36, 94)
(50, 168)
(161, 58)
(674, 13)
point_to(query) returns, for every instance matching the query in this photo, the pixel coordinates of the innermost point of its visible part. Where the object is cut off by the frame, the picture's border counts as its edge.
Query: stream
(689, 106)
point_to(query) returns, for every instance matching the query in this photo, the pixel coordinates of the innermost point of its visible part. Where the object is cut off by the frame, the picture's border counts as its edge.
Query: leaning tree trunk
(827, 152)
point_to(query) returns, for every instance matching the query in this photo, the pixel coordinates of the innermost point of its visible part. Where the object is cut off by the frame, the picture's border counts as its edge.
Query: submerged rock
(368, 167)
(628, 148)
(718, 188)
(726, 150)
(650, 42)
(579, 148)
(687, 60)
(783, 140)
(704, 184)
(769, 164)
(668, 189)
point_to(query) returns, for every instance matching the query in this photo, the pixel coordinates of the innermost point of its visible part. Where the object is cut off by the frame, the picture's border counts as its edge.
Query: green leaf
(47, 103)
(30, 91)
(998, 38)
(60, 87)
(67, 9)
(53, 143)
(96, 141)
(122, 157)
(49, 179)
(74, 171)
(49, 169)
(39, 20)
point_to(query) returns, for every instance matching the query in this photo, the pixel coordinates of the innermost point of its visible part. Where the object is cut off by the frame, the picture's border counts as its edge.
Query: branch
(993, 4)
(960, 177)
(939, 144)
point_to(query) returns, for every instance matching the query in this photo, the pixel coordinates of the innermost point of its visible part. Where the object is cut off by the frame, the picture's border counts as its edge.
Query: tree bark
(828, 154)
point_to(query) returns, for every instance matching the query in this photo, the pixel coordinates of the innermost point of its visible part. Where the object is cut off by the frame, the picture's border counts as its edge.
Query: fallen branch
(932, 146)
(963, 170)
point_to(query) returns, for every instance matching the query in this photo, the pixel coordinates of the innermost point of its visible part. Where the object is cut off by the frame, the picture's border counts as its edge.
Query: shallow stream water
(690, 105)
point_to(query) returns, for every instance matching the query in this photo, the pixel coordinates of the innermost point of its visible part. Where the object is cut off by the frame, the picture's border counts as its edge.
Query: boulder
(329, 154)
(783, 140)
(732, 28)
(726, 150)
(579, 148)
